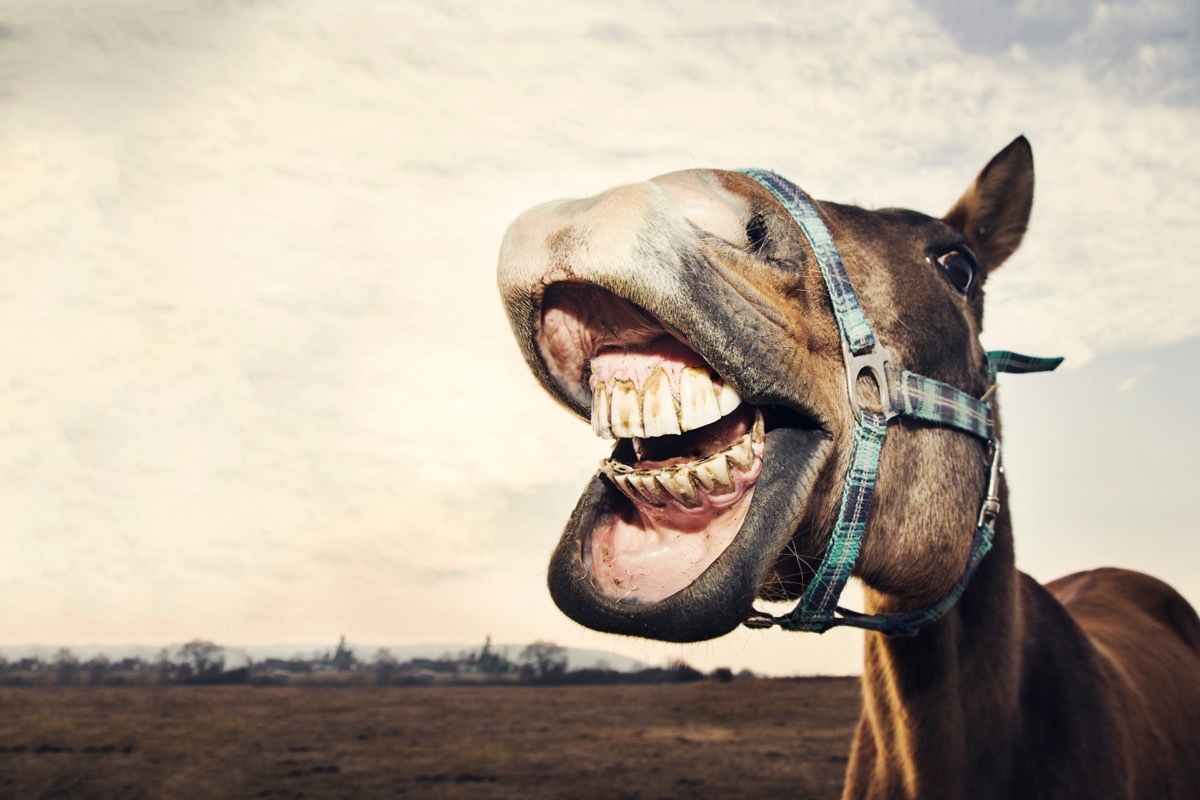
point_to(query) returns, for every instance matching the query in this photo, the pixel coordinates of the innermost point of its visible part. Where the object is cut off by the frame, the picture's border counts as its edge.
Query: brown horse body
(686, 318)
(1082, 691)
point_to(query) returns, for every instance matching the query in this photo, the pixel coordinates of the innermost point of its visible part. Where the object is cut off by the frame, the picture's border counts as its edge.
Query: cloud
(1144, 50)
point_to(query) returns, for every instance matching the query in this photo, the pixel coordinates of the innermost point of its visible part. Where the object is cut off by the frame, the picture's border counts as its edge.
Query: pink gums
(637, 363)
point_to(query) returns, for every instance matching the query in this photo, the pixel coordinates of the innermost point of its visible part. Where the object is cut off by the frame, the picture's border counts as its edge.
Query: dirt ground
(747, 739)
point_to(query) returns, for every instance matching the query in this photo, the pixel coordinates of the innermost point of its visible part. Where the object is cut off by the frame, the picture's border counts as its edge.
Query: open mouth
(688, 457)
(670, 523)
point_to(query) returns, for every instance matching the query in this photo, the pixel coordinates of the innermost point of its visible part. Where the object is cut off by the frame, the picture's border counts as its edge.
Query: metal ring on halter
(874, 362)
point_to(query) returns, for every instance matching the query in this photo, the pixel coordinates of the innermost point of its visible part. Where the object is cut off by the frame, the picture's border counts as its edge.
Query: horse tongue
(657, 545)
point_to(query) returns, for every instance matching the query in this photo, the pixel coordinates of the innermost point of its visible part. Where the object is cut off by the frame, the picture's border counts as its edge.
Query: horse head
(687, 319)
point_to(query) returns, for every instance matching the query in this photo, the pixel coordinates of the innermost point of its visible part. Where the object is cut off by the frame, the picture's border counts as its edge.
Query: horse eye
(959, 268)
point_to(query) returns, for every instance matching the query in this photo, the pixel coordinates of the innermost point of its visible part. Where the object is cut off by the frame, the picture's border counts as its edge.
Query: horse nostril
(756, 233)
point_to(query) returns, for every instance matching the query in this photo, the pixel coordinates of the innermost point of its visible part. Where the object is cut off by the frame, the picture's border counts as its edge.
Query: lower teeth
(688, 485)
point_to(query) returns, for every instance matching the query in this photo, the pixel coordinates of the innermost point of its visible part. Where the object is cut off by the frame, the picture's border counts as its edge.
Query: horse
(797, 394)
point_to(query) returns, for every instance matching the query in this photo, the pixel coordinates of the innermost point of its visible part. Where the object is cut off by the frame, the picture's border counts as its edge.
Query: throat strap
(903, 393)
(816, 610)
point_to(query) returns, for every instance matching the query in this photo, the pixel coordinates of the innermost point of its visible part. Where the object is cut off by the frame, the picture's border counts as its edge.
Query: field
(757, 738)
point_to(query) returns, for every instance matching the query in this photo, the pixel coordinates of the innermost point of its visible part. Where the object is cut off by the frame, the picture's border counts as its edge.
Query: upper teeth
(619, 410)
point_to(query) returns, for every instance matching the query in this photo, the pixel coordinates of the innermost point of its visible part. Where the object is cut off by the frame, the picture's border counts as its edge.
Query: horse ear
(994, 211)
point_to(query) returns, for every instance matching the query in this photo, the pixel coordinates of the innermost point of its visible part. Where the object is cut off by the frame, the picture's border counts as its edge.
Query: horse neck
(939, 707)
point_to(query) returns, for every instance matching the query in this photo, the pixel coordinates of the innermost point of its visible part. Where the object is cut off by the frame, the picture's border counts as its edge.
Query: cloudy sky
(255, 381)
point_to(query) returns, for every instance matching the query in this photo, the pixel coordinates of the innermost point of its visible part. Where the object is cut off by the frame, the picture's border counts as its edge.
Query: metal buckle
(760, 620)
(991, 503)
(876, 363)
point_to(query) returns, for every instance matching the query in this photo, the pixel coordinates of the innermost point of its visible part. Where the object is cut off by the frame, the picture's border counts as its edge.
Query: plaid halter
(902, 393)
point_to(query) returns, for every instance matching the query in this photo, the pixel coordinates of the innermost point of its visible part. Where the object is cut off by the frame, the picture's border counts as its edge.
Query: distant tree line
(204, 662)
(198, 661)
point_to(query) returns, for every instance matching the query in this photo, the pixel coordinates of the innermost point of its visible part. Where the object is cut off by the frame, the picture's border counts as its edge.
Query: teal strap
(933, 401)
(815, 610)
(850, 317)
(1008, 361)
(910, 623)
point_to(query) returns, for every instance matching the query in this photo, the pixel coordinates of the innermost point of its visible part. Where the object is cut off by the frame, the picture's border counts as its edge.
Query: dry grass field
(748, 739)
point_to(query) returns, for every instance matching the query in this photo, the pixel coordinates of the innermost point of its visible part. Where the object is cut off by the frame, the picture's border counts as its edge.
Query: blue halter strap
(902, 393)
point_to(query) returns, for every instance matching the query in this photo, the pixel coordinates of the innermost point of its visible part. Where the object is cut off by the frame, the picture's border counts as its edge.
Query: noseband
(901, 393)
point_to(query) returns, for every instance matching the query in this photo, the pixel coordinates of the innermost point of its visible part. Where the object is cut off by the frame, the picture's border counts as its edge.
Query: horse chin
(641, 558)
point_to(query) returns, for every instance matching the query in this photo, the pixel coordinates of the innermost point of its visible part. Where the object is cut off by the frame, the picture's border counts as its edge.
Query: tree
(722, 675)
(489, 661)
(386, 665)
(97, 669)
(131, 664)
(545, 660)
(343, 660)
(206, 659)
(163, 666)
(65, 666)
(682, 672)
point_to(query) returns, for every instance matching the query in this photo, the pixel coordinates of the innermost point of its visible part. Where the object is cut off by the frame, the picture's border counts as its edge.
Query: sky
(256, 385)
